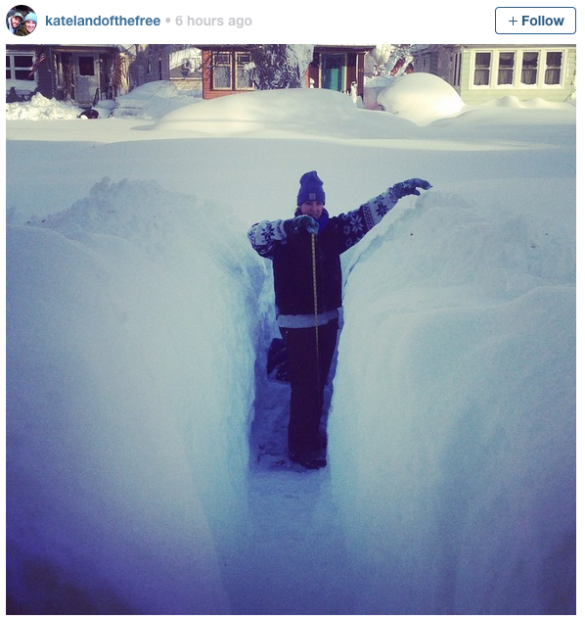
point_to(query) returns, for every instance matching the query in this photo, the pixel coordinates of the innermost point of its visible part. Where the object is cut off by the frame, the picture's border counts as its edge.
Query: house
(339, 67)
(180, 64)
(83, 74)
(336, 67)
(225, 70)
(480, 73)
(185, 67)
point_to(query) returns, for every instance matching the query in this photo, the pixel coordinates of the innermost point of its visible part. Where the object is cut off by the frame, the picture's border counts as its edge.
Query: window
(506, 68)
(521, 69)
(529, 68)
(230, 71)
(86, 65)
(243, 74)
(482, 68)
(554, 63)
(457, 71)
(19, 66)
(222, 71)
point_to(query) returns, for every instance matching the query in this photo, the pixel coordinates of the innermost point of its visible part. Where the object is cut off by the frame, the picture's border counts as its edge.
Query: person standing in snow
(305, 252)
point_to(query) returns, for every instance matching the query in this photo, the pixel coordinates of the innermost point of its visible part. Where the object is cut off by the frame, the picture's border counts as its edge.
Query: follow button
(536, 20)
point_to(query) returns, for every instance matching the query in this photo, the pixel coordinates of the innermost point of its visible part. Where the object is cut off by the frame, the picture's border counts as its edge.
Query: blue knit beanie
(311, 188)
(30, 17)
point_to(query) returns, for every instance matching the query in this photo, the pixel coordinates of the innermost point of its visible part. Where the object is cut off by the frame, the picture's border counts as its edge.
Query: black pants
(310, 358)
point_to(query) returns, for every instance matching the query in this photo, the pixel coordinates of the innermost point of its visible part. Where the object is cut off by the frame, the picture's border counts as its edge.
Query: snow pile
(153, 100)
(283, 113)
(40, 108)
(112, 384)
(536, 103)
(452, 434)
(421, 98)
(147, 102)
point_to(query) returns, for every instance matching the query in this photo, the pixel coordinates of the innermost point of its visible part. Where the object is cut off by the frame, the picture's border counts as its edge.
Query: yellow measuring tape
(315, 293)
(316, 321)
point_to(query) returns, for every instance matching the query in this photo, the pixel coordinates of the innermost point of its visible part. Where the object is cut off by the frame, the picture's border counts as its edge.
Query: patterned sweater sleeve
(265, 235)
(355, 224)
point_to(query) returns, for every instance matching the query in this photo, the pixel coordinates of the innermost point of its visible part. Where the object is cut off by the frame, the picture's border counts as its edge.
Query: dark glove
(409, 187)
(301, 223)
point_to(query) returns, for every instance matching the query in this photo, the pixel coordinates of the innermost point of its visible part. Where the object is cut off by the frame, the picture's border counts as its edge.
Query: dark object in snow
(309, 460)
(278, 462)
(90, 113)
(277, 361)
(13, 97)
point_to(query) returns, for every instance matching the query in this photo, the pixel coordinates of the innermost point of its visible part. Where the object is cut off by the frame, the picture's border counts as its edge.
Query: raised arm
(355, 224)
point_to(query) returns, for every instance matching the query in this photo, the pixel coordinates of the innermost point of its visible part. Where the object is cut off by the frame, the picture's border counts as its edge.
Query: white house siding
(456, 64)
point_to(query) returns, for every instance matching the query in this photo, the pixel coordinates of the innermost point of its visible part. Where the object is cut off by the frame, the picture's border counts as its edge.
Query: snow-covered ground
(138, 320)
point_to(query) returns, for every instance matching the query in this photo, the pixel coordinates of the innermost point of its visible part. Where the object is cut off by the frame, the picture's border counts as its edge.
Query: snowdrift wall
(126, 462)
(452, 432)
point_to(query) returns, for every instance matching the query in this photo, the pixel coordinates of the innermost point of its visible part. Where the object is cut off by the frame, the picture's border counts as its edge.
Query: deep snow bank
(116, 308)
(292, 112)
(452, 440)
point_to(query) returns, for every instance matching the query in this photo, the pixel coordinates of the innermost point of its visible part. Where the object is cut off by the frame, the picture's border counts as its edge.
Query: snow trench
(137, 407)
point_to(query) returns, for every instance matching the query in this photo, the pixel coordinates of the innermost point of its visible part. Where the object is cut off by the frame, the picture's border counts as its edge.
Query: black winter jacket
(295, 273)
(292, 255)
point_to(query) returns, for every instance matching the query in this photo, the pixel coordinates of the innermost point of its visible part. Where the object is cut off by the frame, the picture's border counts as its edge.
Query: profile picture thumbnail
(21, 20)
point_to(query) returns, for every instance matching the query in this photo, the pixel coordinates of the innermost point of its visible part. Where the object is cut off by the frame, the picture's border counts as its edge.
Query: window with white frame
(506, 68)
(554, 65)
(529, 68)
(243, 74)
(19, 66)
(483, 62)
(230, 71)
(221, 71)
